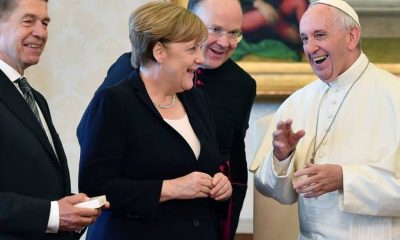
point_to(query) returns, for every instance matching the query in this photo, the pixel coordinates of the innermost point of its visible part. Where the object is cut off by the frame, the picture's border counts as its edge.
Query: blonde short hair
(161, 22)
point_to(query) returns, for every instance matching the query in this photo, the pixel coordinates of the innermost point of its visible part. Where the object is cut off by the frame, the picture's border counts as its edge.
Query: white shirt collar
(351, 74)
(10, 72)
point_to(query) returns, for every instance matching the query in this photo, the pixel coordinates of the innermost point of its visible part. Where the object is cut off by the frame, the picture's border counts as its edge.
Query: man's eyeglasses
(219, 32)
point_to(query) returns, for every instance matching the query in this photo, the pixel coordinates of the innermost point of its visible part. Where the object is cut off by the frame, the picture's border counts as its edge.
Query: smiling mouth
(216, 51)
(34, 46)
(320, 59)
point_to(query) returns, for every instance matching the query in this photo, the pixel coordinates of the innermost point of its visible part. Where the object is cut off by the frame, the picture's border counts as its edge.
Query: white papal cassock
(364, 140)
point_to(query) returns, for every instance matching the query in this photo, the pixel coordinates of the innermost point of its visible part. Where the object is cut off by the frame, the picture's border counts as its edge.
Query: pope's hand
(285, 140)
(321, 179)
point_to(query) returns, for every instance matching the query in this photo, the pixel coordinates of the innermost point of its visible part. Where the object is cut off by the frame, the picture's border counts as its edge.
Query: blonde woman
(149, 142)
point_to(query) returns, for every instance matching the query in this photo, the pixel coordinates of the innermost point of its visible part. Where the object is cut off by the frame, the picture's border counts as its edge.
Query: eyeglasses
(232, 35)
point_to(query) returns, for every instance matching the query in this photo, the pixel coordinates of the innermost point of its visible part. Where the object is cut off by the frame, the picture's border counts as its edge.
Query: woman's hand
(222, 188)
(190, 186)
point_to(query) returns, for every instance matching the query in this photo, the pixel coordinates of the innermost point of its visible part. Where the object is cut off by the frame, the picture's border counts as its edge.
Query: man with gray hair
(35, 189)
(335, 144)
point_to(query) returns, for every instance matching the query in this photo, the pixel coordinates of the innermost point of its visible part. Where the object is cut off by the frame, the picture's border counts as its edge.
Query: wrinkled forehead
(318, 16)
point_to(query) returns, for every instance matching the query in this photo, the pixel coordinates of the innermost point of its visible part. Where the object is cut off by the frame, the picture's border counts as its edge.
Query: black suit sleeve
(239, 173)
(103, 148)
(22, 214)
(238, 153)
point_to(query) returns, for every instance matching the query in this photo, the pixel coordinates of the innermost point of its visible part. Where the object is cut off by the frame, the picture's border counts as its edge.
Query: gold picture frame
(279, 80)
(182, 3)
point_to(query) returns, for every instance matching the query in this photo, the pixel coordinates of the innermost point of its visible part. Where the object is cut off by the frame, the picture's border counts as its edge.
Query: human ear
(354, 38)
(158, 52)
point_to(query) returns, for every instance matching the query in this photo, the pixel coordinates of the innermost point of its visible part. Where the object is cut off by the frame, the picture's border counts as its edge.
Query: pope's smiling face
(329, 47)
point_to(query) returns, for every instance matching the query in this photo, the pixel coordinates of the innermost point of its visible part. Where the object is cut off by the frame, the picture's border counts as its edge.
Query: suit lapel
(136, 82)
(17, 105)
(139, 89)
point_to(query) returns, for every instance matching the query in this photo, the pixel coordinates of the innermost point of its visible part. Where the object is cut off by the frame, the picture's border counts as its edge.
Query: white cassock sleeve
(370, 190)
(274, 179)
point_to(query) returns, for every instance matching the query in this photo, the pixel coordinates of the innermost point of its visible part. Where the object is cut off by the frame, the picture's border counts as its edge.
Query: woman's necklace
(167, 106)
(316, 147)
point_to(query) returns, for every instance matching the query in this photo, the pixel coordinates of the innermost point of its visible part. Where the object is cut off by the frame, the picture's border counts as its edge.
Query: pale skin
(321, 178)
(74, 218)
(197, 185)
(218, 49)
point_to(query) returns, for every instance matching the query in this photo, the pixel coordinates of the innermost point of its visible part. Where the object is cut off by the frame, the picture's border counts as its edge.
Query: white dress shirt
(183, 127)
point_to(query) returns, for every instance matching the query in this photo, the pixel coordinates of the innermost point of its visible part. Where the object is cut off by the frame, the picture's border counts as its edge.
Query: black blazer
(231, 92)
(127, 150)
(31, 175)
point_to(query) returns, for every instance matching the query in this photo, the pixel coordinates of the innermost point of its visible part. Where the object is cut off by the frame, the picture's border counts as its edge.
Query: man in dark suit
(34, 177)
(230, 89)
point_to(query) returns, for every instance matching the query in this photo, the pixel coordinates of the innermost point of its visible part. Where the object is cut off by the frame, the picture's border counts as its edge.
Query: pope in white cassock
(334, 145)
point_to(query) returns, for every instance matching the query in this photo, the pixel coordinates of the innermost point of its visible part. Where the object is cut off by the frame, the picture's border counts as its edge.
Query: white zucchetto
(342, 5)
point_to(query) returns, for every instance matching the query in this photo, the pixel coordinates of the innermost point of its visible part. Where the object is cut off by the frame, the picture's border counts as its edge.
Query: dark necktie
(28, 95)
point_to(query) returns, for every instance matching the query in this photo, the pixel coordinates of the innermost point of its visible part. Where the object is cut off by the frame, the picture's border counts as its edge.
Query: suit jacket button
(196, 222)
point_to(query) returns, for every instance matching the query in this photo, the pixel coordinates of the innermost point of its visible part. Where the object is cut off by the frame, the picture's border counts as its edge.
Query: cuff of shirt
(54, 218)
(281, 167)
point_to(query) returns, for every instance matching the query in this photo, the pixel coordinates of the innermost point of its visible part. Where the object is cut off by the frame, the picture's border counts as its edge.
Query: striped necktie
(28, 95)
